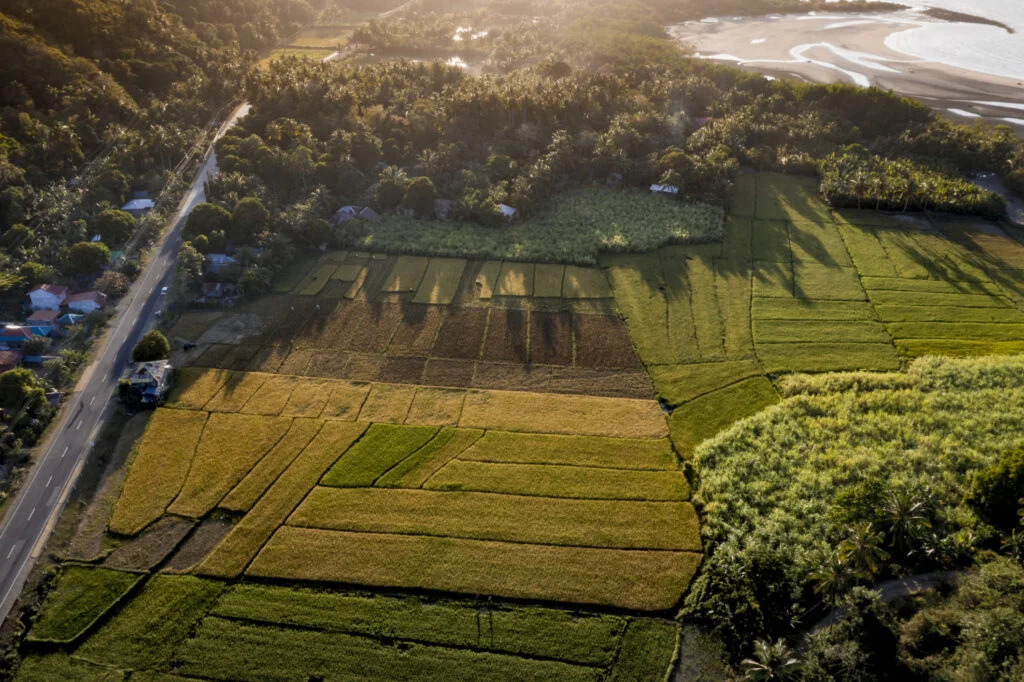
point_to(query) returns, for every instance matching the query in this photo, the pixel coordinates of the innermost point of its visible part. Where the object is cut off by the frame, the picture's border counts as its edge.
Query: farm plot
(275, 632)
(499, 488)
(82, 595)
(946, 293)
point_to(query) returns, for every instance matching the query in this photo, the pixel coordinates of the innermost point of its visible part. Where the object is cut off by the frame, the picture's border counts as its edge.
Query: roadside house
(345, 214)
(150, 381)
(14, 337)
(48, 297)
(43, 318)
(370, 215)
(138, 208)
(87, 302)
(507, 212)
(10, 359)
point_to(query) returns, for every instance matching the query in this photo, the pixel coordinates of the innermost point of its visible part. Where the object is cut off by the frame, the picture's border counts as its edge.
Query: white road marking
(11, 552)
(31, 513)
(49, 481)
(64, 453)
(92, 401)
(79, 425)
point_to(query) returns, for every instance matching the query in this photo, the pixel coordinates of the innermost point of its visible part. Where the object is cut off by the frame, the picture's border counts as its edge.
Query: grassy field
(81, 596)
(251, 631)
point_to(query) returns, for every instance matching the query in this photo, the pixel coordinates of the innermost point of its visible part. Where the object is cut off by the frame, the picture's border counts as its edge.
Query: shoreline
(854, 48)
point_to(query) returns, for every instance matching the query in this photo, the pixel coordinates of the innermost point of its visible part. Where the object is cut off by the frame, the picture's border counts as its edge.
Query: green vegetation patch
(803, 309)
(573, 228)
(231, 556)
(509, 518)
(819, 331)
(415, 469)
(149, 628)
(527, 631)
(818, 242)
(60, 666)
(930, 286)
(826, 283)
(547, 280)
(827, 357)
(678, 384)
(382, 448)
(590, 451)
(787, 197)
(159, 469)
(316, 280)
(648, 649)
(975, 331)
(232, 650)
(916, 348)
(921, 298)
(81, 596)
(786, 486)
(705, 416)
(647, 580)
(560, 481)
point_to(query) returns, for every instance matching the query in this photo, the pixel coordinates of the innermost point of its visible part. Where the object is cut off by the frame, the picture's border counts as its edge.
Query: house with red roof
(87, 302)
(48, 297)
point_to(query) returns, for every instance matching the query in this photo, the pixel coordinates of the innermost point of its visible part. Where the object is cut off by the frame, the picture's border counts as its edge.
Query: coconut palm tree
(862, 549)
(771, 662)
(906, 517)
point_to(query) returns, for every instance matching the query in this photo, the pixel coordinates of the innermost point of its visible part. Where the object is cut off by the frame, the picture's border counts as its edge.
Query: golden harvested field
(645, 580)
(483, 516)
(159, 469)
(231, 446)
(231, 556)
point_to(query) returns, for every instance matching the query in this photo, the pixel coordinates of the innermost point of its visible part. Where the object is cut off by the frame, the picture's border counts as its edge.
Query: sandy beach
(858, 49)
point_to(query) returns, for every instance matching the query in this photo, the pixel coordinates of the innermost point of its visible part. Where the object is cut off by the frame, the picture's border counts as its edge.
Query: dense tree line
(102, 97)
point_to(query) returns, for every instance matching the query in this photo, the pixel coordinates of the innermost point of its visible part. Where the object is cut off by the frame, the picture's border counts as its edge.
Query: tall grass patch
(415, 469)
(584, 451)
(705, 416)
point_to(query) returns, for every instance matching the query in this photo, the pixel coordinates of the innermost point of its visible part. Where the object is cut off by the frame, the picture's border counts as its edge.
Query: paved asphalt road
(32, 514)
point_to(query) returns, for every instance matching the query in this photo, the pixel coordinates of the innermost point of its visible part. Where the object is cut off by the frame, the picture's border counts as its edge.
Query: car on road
(163, 291)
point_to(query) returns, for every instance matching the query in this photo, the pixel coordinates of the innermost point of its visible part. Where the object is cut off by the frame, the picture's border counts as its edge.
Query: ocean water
(975, 47)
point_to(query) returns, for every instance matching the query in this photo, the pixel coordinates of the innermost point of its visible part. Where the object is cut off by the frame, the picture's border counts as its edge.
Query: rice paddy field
(421, 465)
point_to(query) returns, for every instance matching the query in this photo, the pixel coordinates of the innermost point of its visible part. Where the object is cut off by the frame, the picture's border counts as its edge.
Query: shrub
(997, 490)
(152, 346)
